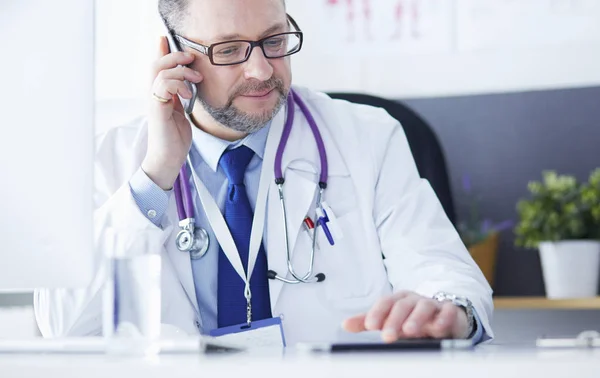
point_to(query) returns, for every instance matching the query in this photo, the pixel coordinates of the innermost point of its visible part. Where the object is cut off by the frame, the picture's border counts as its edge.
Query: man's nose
(257, 66)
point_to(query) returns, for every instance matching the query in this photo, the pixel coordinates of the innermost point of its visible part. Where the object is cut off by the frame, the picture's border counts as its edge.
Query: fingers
(374, 319)
(393, 326)
(169, 88)
(422, 315)
(165, 60)
(163, 47)
(443, 324)
(180, 73)
(172, 65)
(409, 315)
(170, 77)
(172, 60)
(170, 82)
(378, 314)
(355, 324)
(456, 320)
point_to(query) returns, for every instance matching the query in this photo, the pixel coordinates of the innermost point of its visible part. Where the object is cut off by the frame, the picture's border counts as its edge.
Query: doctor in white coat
(399, 267)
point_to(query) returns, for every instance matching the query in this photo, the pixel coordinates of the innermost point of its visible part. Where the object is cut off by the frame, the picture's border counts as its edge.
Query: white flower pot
(570, 268)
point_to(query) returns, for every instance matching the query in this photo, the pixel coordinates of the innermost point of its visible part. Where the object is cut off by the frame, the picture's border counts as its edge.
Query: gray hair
(173, 12)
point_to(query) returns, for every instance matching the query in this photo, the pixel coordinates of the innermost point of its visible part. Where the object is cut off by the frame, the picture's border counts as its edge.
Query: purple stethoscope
(195, 240)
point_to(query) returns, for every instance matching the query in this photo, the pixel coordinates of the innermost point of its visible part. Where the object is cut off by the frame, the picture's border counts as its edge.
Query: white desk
(487, 361)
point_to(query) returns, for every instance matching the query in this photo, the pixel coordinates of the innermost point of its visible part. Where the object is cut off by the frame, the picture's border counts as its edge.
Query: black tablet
(400, 345)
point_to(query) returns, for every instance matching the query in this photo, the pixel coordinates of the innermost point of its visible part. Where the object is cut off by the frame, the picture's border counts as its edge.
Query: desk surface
(547, 304)
(491, 361)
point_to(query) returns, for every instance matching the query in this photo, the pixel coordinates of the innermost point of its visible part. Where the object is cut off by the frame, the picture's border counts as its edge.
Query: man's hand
(169, 132)
(409, 315)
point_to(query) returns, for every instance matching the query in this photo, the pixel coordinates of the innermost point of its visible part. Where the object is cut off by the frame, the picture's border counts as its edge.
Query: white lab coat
(396, 234)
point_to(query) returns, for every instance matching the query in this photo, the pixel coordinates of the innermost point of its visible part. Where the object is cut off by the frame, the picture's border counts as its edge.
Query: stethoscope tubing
(185, 205)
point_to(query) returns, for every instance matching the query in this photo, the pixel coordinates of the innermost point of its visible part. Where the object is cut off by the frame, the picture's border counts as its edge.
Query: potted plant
(480, 235)
(562, 220)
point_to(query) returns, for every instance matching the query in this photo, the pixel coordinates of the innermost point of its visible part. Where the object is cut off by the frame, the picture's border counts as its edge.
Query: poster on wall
(514, 24)
(376, 28)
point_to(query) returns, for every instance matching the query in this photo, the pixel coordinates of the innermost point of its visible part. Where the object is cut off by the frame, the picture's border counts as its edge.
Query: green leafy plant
(560, 208)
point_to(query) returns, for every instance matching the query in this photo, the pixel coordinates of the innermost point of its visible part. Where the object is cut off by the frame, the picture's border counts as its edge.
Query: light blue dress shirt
(205, 155)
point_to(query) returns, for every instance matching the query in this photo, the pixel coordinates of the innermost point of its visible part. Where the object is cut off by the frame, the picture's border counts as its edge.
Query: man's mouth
(259, 94)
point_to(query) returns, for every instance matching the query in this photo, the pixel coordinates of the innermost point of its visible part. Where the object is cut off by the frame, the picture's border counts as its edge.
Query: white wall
(466, 47)
(127, 36)
(494, 46)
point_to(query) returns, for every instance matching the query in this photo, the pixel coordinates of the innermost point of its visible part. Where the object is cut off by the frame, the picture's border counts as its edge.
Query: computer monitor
(46, 143)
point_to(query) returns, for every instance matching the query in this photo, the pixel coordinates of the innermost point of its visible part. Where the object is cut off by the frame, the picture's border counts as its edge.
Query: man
(395, 263)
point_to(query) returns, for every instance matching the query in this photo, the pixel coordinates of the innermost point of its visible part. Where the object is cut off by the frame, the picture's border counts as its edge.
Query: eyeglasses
(238, 51)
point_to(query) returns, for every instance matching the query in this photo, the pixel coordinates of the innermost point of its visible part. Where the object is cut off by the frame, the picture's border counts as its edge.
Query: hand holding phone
(169, 131)
(188, 103)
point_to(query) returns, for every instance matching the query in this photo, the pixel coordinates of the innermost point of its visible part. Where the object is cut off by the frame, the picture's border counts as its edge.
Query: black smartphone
(188, 105)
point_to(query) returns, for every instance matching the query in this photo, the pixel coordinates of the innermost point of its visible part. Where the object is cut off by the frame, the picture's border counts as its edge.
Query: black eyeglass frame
(208, 50)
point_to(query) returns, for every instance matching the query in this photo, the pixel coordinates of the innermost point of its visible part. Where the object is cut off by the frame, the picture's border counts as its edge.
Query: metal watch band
(462, 302)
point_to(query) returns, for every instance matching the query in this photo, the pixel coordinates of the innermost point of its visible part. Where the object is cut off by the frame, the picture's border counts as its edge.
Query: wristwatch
(463, 303)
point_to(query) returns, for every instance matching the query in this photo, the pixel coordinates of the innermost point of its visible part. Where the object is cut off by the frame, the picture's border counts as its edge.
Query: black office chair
(423, 142)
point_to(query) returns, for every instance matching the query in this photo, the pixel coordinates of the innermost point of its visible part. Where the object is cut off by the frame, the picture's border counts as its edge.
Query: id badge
(260, 333)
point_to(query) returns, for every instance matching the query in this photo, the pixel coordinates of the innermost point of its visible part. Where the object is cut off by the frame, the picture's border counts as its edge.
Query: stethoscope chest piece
(194, 240)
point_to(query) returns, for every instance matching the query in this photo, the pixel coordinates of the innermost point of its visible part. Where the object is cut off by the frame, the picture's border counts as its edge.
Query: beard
(238, 120)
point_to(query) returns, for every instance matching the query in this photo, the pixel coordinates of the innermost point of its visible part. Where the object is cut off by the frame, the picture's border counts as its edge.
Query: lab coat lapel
(299, 190)
(181, 260)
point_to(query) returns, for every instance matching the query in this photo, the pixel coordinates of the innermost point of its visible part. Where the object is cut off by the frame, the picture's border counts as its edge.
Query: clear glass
(234, 52)
(132, 294)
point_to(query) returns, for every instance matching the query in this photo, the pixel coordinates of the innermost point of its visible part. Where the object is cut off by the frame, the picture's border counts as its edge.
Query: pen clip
(323, 219)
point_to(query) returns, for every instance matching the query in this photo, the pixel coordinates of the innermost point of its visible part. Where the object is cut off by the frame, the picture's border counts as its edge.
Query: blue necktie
(238, 214)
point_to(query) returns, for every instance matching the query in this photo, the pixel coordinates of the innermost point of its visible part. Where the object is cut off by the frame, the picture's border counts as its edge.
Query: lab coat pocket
(349, 282)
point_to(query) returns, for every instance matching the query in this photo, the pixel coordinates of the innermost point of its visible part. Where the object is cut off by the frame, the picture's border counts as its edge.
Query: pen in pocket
(309, 226)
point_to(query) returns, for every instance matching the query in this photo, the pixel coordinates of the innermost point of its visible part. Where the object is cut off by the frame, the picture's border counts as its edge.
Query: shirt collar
(210, 148)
